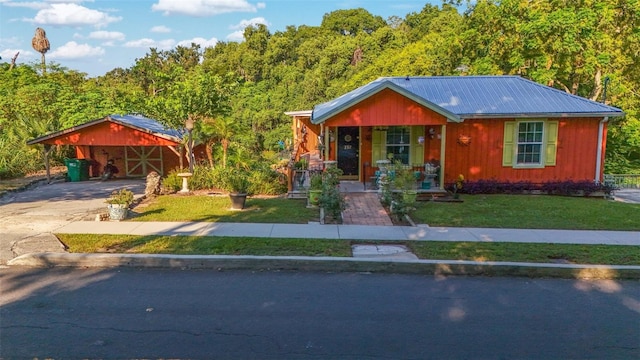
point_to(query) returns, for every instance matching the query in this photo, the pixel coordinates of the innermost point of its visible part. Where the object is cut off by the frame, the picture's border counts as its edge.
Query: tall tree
(40, 43)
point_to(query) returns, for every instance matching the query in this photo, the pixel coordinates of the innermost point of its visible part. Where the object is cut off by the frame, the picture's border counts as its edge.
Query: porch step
(297, 195)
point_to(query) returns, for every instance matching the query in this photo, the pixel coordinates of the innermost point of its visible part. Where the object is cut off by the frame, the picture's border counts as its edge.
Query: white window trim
(543, 145)
(408, 144)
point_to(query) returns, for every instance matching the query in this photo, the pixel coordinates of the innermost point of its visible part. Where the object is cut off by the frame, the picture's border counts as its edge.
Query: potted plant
(236, 183)
(118, 204)
(315, 189)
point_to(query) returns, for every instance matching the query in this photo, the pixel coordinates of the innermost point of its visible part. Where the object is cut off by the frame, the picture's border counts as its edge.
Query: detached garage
(136, 144)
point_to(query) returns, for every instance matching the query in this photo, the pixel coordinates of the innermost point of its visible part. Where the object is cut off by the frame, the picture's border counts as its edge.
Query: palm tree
(40, 43)
(215, 130)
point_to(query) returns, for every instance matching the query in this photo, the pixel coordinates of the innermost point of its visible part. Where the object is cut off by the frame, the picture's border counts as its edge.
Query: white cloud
(107, 35)
(160, 29)
(244, 23)
(36, 5)
(8, 54)
(203, 8)
(204, 43)
(68, 1)
(73, 15)
(236, 36)
(73, 50)
(239, 34)
(150, 43)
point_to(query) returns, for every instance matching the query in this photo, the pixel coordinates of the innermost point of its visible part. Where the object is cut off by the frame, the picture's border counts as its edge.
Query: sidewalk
(355, 232)
(378, 259)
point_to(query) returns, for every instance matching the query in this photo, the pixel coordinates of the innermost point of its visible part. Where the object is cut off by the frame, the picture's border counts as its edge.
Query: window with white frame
(398, 143)
(530, 143)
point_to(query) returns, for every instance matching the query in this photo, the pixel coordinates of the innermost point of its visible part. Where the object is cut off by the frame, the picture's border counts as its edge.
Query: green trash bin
(77, 169)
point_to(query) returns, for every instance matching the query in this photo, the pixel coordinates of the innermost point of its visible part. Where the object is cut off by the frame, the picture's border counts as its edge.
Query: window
(529, 143)
(398, 141)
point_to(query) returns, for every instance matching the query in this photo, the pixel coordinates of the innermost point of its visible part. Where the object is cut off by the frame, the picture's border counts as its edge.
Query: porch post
(443, 147)
(327, 142)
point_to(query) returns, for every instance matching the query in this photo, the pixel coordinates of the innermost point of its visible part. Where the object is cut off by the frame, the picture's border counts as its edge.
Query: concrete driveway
(627, 195)
(28, 218)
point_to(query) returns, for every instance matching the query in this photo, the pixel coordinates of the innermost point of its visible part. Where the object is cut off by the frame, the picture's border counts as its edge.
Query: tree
(350, 22)
(40, 43)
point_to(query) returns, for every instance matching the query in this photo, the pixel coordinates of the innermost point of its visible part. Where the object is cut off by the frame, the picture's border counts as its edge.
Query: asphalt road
(131, 313)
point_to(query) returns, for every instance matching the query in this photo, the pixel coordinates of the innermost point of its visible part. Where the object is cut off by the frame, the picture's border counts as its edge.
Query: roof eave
(66, 131)
(97, 121)
(541, 115)
(382, 86)
(299, 113)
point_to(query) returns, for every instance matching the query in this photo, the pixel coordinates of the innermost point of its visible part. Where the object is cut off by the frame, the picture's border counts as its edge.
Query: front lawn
(437, 250)
(216, 209)
(202, 245)
(530, 212)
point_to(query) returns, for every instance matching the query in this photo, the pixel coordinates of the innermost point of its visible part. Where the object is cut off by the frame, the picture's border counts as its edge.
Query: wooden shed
(504, 128)
(136, 144)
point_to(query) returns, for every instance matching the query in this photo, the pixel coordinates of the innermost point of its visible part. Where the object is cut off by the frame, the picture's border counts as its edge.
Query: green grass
(495, 211)
(530, 212)
(527, 252)
(202, 245)
(216, 209)
(210, 245)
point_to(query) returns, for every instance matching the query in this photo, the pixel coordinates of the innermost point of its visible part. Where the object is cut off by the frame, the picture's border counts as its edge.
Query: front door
(348, 148)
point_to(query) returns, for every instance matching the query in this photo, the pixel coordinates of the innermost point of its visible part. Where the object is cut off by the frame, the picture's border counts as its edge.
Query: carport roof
(134, 121)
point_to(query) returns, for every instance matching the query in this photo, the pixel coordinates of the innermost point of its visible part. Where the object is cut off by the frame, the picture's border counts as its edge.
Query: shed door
(140, 160)
(348, 150)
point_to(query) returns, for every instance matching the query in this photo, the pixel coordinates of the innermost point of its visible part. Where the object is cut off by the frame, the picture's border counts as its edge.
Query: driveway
(28, 218)
(627, 195)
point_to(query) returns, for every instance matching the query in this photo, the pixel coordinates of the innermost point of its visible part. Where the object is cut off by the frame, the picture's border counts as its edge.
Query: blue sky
(95, 36)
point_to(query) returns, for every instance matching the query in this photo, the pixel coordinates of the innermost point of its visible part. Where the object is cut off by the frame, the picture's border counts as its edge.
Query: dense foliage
(237, 93)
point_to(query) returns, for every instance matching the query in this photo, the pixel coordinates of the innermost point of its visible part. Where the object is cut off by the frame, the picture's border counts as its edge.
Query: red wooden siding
(482, 158)
(386, 108)
(111, 134)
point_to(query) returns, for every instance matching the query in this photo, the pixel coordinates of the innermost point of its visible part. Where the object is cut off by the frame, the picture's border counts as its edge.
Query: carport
(136, 144)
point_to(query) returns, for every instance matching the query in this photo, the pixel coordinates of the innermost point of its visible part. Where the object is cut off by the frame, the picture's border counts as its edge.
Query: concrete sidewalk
(378, 260)
(355, 232)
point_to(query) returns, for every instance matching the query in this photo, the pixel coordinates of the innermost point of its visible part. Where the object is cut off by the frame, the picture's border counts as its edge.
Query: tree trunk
(209, 148)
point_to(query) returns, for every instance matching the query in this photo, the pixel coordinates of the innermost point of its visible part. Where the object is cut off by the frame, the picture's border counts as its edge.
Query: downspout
(599, 152)
(443, 147)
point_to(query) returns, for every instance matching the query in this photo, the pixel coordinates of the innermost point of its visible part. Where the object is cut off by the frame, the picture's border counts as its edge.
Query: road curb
(331, 264)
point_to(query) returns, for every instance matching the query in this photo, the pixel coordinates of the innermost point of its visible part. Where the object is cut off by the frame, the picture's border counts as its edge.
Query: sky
(96, 36)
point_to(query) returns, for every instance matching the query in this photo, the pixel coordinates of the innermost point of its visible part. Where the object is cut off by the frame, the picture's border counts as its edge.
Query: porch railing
(623, 181)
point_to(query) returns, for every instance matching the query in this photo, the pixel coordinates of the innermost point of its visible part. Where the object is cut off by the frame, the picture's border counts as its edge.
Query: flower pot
(237, 201)
(314, 197)
(118, 211)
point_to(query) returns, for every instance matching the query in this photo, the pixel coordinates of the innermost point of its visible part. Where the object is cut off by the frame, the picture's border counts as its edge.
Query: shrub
(267, 181)
(121, 197)
(564, 187)
(171, 183)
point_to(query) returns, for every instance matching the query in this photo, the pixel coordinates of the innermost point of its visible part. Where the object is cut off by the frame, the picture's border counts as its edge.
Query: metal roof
(134, 121)
(150, 125)
(463, 97)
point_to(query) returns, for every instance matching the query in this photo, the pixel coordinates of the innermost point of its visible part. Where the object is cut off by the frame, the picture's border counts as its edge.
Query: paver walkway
(363, 207)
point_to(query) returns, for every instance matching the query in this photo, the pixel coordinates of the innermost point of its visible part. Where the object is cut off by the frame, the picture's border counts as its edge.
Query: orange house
(504, 128)
(136, 144)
